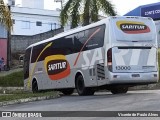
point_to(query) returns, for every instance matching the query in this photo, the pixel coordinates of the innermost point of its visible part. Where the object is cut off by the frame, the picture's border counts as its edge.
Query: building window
(13, 2)
(13, 21)
(25, 25)
(38, 23)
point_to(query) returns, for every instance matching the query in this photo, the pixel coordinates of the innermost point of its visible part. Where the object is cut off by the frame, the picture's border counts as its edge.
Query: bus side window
(88, 39)
(79, 41)
(97, 39)
(69, 45)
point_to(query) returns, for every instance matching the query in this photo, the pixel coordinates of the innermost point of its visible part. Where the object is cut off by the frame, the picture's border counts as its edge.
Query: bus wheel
(81, 89)
(119, 90)
(34, 86)
(67, 91)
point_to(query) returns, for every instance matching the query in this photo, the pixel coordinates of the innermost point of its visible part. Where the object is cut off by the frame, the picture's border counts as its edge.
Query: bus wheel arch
(78, 74)
(34, 85)
(80, 85)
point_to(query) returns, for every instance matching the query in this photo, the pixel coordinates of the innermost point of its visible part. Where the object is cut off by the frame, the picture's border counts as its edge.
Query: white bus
(114, 54)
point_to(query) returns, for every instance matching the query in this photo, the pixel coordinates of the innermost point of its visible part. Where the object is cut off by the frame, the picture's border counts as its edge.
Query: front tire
(81, 89)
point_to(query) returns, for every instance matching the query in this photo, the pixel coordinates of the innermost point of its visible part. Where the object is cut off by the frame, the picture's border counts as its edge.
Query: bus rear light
(109, 63)
(109, 59)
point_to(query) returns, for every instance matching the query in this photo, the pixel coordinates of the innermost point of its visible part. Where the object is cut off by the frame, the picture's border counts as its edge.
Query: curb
(27, 100)
(11, 88)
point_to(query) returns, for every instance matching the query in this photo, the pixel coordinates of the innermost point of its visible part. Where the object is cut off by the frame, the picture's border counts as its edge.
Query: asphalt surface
(148, 100)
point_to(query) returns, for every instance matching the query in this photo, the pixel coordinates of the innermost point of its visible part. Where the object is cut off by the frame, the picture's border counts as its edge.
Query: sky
(124, 6)
(121, 6)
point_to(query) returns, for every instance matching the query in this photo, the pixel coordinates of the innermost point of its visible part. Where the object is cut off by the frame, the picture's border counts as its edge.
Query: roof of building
(35, 11)
(140, 11)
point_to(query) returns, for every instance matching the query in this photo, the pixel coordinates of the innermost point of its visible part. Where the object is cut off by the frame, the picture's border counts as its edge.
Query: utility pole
(9, 41)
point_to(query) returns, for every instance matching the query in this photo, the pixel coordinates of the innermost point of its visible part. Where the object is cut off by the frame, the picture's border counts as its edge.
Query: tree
(85, 11)
(5, 16)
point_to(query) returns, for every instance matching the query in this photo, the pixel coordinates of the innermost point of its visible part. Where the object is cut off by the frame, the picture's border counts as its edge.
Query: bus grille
(100, 71)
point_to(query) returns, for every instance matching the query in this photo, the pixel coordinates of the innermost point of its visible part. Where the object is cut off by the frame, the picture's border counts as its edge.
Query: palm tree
(85, 11)
(5, 16)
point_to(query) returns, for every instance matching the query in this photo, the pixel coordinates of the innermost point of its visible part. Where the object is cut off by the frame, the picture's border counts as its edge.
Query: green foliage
(12, 80)
(85, 11)
(5, 16)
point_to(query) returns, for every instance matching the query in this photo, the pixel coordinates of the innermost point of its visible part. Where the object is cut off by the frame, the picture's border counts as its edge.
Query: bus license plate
(135, 75)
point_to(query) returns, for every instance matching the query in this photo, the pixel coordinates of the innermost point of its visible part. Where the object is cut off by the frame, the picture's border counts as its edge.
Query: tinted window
(36, 52)
(62, 46)
(90, 39)
(96, 36)
(84, 40)
(38, 23)
(26, 63)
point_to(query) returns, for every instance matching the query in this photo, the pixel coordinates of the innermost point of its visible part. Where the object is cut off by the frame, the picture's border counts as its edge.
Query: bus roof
(75, 30)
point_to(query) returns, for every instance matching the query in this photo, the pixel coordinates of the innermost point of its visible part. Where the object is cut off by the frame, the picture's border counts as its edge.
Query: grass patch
(16, 80)
(22, 95)
(12, 80)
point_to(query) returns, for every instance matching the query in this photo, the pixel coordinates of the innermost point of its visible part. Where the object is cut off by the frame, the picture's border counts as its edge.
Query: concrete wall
(19, 42)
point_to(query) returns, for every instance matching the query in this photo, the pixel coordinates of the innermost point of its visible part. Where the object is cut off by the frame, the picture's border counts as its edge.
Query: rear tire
(67, 91)
(34, 86)
(119, 90)
(81, 89)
